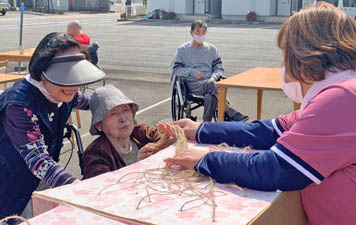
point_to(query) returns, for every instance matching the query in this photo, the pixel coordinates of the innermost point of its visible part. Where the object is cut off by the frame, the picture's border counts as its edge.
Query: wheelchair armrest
(222, 77)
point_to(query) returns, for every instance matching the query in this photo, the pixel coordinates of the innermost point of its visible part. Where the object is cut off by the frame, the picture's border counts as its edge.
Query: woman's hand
(189, 127)
(144, 153)
(187, 158)
(149, 148)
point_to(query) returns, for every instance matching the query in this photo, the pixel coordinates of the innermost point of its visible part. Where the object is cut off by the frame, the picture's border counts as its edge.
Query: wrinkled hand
(189, 127)
(150, 148)
(186, 158)
(145, 152)
(199, 76)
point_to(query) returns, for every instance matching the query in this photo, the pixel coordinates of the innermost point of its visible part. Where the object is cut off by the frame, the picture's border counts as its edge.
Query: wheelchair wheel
(177, 109)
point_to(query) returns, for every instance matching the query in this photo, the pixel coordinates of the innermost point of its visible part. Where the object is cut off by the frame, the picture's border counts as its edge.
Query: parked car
(4, 6)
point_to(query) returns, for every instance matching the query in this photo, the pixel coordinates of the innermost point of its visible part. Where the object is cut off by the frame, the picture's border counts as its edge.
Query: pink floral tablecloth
(234, 205)
(68, 215)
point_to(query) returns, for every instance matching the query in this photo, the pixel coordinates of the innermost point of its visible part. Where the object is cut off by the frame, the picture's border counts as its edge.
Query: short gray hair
(74, 24)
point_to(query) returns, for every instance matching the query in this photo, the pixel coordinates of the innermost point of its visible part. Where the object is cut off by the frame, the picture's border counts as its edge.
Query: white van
(348, 6)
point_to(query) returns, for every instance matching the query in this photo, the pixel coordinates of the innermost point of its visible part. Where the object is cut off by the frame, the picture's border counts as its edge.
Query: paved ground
(137, 55)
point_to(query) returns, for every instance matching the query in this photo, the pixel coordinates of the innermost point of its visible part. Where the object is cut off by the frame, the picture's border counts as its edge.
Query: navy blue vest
(16, 181)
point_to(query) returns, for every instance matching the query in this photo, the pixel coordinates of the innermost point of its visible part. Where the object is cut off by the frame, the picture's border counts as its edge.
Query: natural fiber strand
(174, 180)
(16, 218)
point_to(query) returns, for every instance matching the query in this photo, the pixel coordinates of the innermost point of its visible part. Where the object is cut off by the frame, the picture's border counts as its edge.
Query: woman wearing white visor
(33, 113)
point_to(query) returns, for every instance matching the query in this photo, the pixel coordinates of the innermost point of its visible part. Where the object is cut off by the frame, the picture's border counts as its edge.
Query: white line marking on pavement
(269, 27)
(138, 113)
(152, 106)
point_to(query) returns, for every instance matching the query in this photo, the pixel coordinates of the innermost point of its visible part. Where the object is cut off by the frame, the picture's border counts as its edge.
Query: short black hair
(47, 49)
(199, 24)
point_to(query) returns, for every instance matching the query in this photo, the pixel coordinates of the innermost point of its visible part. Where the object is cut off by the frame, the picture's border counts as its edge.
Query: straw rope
(175, 181)
(16, 218)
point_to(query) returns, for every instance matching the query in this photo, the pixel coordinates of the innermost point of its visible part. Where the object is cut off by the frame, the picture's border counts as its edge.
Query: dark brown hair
(48, 48)
(318, 39)
(198, 24)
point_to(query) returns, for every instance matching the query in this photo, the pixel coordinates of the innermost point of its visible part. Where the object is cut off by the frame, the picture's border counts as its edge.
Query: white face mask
(293, 90)
(199, 38)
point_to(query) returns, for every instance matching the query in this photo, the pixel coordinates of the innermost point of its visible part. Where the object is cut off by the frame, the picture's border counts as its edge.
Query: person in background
(199, 64)
(33, 114)
(83, 40)
(120, 142)
(312, 149)
(74, 28)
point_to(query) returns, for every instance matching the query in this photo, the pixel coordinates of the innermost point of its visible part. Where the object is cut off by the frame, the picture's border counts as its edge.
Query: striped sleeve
(259, 134)
(217, 66)
(179, 68)
(297, 163)
(217, 62)
(287, 121)
(178, 65)
(277, 127)
(265, 170)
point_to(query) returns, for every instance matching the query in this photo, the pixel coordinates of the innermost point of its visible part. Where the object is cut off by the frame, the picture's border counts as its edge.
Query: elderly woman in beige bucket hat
(120, 142)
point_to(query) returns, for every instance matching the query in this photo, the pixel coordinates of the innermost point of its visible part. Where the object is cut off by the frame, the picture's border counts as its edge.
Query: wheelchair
(183, 102)
(72, 132)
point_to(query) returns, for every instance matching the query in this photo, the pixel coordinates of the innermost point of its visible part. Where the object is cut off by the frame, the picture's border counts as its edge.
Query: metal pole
(97, 32)
(20, 41)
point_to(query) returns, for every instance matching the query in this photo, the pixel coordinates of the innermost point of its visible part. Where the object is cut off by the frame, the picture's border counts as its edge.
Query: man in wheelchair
(198, 63)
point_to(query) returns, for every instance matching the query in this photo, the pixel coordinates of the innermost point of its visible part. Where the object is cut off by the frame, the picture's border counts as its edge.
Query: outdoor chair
(3, 65)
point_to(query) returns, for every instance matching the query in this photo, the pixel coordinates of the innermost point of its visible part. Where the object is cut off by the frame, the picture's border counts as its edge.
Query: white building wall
(230, 9)
(179, 6)
(189, 6)
(252, 5)
(235, 7)
(238, 9)
(284, 7)
(199, 7)
(157, 4)
(262, 7)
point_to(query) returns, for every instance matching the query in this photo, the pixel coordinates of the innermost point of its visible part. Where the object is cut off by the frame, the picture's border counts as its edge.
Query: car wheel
(3, 12)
